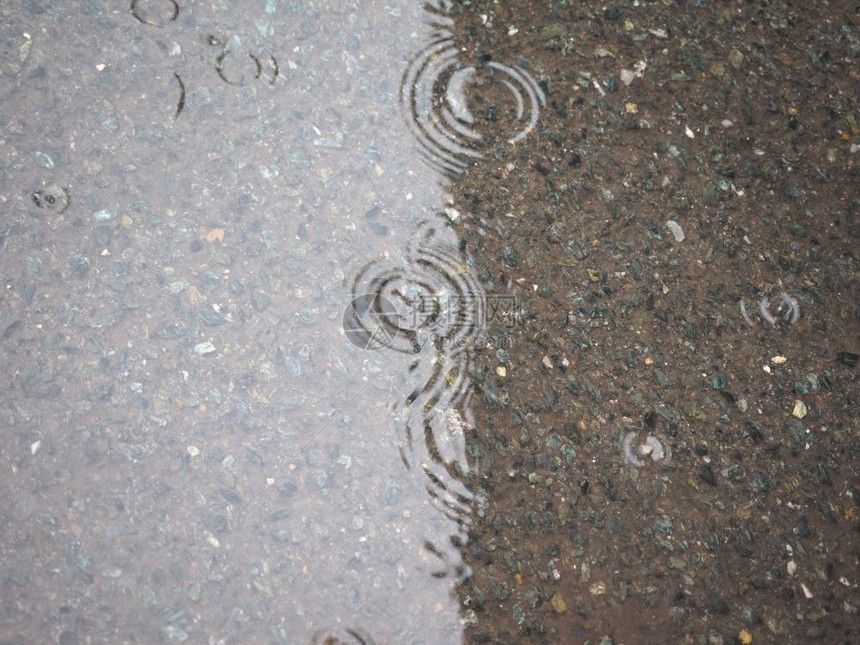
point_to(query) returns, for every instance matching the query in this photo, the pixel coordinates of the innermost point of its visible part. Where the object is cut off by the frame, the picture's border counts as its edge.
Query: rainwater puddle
(238, 322)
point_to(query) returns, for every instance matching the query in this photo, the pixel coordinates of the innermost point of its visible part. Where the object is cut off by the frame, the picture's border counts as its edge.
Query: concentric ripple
(342, 637)
(265, 67)
(439, 94)
(52, 197)
(428, 298)
(427, 303)
(168, 11)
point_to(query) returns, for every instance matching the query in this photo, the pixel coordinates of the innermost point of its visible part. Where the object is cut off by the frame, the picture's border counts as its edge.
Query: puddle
(238, 320)
(454, 105)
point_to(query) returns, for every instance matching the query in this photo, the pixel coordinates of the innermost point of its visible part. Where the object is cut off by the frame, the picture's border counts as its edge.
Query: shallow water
(237, 322)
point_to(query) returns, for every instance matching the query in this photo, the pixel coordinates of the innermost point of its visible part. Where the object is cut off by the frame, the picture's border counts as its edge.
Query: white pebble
(627, 449)
(800, 409)
(655, 448)
(676, 229)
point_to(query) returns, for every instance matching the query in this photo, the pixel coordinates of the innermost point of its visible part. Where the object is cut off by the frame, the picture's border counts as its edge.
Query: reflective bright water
(236, 320)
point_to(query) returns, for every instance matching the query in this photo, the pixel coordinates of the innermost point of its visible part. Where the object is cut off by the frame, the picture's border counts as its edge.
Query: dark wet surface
(340, 322)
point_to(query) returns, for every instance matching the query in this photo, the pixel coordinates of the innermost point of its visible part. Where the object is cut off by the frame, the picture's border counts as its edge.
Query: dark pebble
(718, 605)
(103, 234)
(79, 266)
(499, 590)
(380, 230)
(215, 522)
(849, 358)
(754, 432)
(797, 431)
(237, 287)
(760, 482)
(706, 474)
(231, 496)
(11, 329)
(209, 316)
(816, 632)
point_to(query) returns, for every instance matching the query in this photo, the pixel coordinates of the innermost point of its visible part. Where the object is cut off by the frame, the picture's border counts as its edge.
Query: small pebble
(676, 229)
(44, 160)
(204, 348)
(597, 589)
(745, 637)
(104, 215)
(778, 360)
(800, 409)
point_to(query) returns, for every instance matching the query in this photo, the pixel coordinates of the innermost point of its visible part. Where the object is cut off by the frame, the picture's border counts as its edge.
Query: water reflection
(199, 448)
(428, 304)
(425, 298)
(441, 93)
